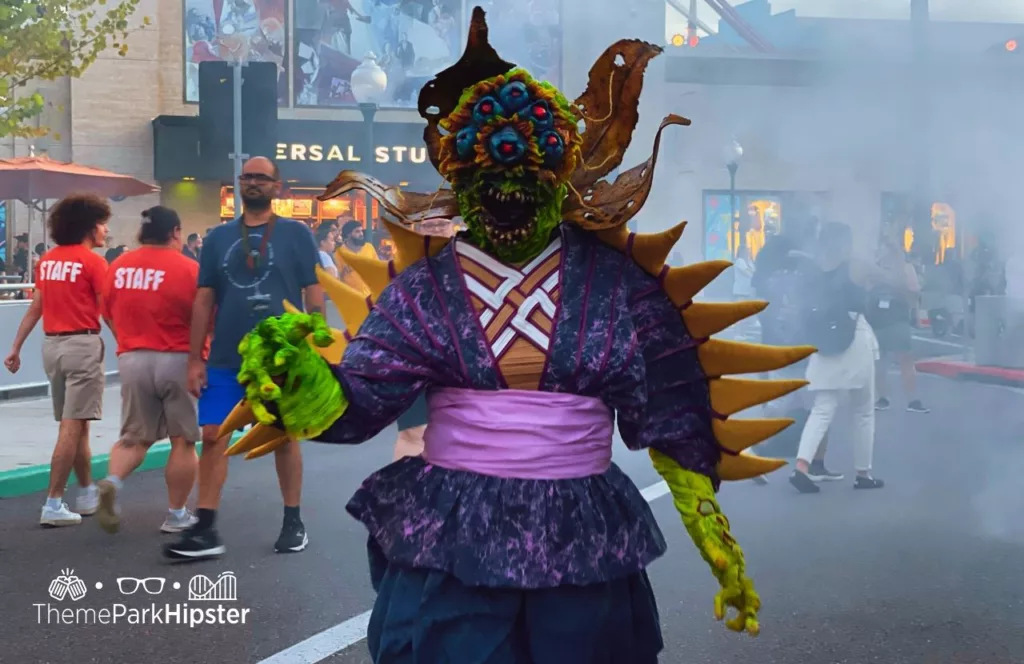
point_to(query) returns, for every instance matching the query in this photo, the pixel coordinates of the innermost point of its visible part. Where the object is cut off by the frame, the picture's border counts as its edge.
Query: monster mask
(510, 148)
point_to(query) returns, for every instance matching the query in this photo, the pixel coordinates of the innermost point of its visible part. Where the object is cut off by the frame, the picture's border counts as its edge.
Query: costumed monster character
(514, 538)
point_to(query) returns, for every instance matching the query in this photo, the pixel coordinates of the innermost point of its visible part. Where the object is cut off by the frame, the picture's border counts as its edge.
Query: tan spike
(373, 271)
(650, 250)
(682, 283)
(350, 303)
(267, 448)
(732, 395)
(705, 318)
(239, 417)
(410, 246)
(333, 352)
(745, 466)
(259, 435)
(738, 435)
(719, 357)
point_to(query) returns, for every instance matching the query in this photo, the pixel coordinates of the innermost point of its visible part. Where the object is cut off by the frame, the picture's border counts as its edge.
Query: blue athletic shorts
(221, 394)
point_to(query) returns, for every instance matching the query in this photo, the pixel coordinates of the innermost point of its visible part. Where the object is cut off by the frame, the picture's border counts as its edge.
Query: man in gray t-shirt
(247, 269)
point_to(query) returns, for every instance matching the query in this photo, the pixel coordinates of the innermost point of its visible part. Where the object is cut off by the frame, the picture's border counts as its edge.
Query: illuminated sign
(383, 154)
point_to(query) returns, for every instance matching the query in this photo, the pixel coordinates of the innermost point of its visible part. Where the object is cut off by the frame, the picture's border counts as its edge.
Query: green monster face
(511, 147)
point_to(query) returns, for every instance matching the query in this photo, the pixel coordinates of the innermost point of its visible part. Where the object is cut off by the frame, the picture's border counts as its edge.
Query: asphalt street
(927, 570)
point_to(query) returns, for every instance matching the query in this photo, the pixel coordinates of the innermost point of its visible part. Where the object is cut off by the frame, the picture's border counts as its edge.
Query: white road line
(333, 640)
(320, 646)
(654, 491)
(938, 342)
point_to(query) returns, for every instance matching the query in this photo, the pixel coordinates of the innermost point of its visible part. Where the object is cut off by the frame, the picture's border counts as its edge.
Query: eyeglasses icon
(128, 585)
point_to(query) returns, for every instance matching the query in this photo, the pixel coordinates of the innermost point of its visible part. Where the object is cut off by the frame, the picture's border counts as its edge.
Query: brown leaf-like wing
(609, 107)
(607, 205)
(406, 206)
(439, 97)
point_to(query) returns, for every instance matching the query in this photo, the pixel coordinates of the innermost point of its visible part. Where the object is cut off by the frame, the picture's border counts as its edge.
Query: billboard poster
(411, 40)
(527, 33)
(225, 30)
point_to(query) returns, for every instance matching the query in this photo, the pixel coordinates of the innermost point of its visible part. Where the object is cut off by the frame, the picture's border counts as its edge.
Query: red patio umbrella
(38, 178)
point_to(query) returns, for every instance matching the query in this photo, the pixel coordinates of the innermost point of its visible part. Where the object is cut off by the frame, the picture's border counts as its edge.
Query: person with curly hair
(69, 281)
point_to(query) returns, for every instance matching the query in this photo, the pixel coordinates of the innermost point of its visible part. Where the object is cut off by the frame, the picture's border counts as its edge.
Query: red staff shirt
(148, 298)
(70, 279)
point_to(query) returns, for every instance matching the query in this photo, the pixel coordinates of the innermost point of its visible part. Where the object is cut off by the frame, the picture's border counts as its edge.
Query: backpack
(829, 325)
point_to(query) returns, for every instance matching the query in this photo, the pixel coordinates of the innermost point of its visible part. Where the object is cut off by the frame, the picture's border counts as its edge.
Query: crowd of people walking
(178, 308)
(858, 315)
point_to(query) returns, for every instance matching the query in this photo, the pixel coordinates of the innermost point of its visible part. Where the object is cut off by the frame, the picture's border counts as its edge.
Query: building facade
(832, 136)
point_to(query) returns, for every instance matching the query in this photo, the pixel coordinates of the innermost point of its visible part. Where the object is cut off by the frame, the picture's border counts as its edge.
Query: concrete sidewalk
(28, 433)
(28, 430)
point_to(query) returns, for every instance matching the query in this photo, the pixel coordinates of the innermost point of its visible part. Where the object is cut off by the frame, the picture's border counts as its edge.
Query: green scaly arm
(281, 366)
(694, 499)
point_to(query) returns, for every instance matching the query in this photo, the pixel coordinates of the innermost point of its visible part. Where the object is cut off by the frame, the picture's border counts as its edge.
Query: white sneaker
(55, 518)
(87, 501)
(173, 524)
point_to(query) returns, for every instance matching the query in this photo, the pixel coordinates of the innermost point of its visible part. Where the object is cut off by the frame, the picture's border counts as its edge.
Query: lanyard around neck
(251, 256)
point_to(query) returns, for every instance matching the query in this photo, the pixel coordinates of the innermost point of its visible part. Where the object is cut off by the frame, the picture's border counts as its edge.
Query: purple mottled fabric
(617, 337)
(632, 349)
(498, 532)
(413, 338)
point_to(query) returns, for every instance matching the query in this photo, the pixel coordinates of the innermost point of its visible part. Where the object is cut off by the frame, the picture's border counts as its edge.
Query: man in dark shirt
(20, 256)
(193, 246)
(247, 269)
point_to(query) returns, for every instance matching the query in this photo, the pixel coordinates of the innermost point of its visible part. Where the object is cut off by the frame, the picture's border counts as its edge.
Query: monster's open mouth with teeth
(509, 214)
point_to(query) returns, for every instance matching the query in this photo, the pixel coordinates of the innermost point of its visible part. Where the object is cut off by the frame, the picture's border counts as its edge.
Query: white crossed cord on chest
(511, 279)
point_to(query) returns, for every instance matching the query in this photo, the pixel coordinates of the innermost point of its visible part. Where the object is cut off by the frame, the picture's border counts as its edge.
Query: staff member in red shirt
(147, 300)
(69, 280)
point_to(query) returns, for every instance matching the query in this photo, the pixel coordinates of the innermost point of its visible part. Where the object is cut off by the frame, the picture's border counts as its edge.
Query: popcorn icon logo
(67, 585)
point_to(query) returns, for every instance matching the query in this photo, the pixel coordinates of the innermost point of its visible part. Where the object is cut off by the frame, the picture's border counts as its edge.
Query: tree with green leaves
(51, 39)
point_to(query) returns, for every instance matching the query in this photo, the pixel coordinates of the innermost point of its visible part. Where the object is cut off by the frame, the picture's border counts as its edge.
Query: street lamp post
(733, 153)
(921, 223)
(369, 83)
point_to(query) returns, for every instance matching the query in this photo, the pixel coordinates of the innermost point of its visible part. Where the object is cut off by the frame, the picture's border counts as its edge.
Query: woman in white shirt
(325, 240)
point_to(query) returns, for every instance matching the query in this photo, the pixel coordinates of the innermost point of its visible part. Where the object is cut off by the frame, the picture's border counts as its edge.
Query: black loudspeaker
(216, 116)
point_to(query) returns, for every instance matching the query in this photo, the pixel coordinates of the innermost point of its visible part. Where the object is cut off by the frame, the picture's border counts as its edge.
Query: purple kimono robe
(617, 337)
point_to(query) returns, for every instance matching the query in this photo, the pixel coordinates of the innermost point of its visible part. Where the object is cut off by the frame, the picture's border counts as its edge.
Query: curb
(31, 479)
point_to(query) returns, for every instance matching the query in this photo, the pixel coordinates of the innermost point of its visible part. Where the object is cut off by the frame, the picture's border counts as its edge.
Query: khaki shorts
(155, 402)
(74, 365)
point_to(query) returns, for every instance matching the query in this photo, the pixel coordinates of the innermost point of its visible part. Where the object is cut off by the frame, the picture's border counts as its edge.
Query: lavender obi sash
(520, 434)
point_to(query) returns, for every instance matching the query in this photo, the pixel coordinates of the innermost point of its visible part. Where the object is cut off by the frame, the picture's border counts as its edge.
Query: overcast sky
(997, 11)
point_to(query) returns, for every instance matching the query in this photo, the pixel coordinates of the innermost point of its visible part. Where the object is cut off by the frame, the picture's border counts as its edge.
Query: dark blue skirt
(424, 616)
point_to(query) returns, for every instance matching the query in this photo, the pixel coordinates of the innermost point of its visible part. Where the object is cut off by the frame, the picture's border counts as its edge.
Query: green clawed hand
(694, 499)
(281, 366)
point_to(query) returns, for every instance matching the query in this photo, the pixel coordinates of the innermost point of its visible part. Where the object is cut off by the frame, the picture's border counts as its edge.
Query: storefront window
(896, 213)
(761, 215)
(303, 205)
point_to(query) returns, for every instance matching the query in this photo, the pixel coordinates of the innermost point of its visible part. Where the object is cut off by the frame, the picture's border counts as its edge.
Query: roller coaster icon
(224, 589)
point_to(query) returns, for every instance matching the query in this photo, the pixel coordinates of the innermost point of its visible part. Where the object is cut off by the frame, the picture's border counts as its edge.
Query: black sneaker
(882, 404)
(916, 406)
(819, 473)
(803, 483)
(293, 537)
(867, 483)
(195, 544)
